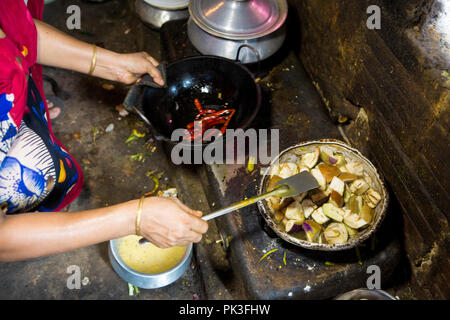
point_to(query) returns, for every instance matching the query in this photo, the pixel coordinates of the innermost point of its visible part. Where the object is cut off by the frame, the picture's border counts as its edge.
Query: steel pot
(147, 280)
(221, 27)
(155, 16)
(293, 154)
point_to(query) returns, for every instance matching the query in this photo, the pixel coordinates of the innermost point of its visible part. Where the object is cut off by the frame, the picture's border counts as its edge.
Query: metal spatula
(289, 187)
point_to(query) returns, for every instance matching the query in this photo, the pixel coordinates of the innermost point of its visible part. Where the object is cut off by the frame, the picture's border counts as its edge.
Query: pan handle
(245, 45)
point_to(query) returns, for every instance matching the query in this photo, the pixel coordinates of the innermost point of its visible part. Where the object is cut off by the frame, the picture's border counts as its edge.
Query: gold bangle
(94, 61)
(138, 216)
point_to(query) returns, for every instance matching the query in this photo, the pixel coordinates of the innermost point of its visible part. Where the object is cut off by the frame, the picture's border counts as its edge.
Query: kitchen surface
(240, 257)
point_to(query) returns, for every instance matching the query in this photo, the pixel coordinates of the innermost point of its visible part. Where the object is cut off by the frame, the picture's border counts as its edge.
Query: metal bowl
(293, 154)
(148, 280)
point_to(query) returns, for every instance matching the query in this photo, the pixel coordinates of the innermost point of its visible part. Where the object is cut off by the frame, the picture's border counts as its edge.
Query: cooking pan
(218, 83)
(293, 154)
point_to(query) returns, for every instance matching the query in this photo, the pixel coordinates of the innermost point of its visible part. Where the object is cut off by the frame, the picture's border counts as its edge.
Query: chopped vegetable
(354, 221)
(358, 186)
(312, 230)
(270, 252)
(320, 178)
(336, 199)
(336, 233)
(367, 213)
(319, 216)
(294, 211)
(328, 171)
(284, 258)
(347, 177)
(134, 135)
(328, 159)
(333, 212)
(287, 169)
(321, 197)
(310, 159)
(355, 204)
(355, 168)
(291, 225)
(372, 198)
(337, 185)
(308, 207)
(133, 290)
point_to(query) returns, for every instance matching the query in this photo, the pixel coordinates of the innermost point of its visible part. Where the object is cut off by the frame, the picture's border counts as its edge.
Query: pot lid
(239, 19)
(168, 4)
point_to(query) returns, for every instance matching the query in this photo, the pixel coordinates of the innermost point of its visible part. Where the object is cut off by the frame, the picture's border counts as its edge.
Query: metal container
(155, 16)
(147, 280)
(221, 27)
(365, 294)
(209, 44)
(292, 154)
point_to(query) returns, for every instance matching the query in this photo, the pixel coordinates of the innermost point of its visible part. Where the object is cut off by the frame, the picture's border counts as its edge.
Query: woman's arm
(57, 49)
(165, 222)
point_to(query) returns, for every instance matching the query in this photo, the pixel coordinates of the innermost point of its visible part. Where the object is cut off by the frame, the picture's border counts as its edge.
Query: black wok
(218, 83)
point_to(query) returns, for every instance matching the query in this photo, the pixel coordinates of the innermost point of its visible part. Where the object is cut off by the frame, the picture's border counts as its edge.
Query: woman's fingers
(152, 70)
(187, 209)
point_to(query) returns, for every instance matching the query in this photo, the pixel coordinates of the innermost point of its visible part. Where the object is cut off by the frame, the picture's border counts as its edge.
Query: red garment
(20, 44)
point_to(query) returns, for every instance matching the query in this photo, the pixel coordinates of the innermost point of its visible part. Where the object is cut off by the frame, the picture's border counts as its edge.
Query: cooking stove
(292, 105)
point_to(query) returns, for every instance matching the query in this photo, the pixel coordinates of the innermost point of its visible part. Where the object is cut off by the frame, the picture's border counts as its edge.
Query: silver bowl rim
(367, 233)
(119, 260)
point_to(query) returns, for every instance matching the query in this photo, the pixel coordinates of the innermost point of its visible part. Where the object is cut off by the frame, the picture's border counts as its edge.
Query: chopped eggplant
(321, 197)
(336, 233)
(333, 212)
(278, 216)
(308, 207)
(355, 167)
(300, 197)
(336, 199)
(291, 225)
(287, 170)
(341, 162)
(355, 204)
(327, 158)
(372, 198)
(359, 186)
(328, 171)
(337, 185)
(351, 231)
(320, 178)
(347, 177)
(310, 159)
(294, 211)
(367, 213)
(319, 216)
(347, 195)
(354, 221)
(312, 230)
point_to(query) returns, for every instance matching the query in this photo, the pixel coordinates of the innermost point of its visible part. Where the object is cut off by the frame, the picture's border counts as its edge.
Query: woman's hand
(131, 66)
(167, 222)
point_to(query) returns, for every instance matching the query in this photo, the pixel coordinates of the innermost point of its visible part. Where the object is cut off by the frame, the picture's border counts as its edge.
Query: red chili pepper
(198, 105)
(208, 118)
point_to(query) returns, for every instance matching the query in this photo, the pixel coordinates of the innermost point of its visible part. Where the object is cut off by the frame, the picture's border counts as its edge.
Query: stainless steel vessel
(147, 280)
(221, 27)
(155, 14)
